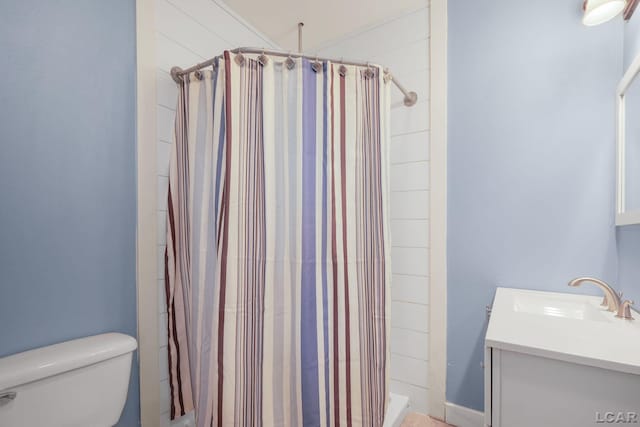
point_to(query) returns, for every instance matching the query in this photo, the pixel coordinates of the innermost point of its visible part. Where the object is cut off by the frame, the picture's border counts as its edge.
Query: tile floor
(420, 420)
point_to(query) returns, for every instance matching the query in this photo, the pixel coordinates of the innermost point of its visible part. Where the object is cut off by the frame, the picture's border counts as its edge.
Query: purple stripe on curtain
(308, 326)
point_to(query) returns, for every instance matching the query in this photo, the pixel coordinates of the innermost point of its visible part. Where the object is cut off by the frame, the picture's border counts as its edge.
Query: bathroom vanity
(555, 359)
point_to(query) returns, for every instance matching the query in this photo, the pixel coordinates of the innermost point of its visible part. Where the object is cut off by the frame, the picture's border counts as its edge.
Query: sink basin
(569, 327)
(559, 306)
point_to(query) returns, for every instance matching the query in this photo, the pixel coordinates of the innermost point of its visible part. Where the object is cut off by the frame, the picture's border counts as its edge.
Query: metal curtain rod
(410, 97)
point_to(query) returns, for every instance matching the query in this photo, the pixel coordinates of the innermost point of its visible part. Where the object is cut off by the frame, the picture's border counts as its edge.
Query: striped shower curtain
(278, 246)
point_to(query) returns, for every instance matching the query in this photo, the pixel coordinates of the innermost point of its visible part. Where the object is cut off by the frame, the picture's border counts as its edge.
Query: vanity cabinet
(550, 369)
(524, 390)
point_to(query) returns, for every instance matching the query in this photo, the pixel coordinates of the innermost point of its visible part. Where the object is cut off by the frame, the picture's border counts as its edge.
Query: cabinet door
(495, 406)
(531, 391)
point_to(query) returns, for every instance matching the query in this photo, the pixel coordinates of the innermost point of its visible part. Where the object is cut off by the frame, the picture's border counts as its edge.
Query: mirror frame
(624, 217)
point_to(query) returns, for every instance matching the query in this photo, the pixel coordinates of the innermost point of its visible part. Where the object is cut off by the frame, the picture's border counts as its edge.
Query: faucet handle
(624, 311)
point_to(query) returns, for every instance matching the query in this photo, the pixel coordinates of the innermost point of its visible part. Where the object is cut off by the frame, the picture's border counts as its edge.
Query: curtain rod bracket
(176, 74)
(410, 99)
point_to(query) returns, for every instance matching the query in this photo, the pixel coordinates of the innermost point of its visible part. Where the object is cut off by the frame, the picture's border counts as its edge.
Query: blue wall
(67, 174)
(531, 162)
(631, 40)
(629, 236)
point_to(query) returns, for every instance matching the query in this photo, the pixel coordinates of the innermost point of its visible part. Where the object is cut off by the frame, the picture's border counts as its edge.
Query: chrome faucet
(611, 298)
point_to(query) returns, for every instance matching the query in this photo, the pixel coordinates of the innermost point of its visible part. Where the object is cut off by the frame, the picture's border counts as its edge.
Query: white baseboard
(460, 416)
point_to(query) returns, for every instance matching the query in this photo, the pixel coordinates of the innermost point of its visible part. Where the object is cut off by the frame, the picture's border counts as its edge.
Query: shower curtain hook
(342, 70)
(368, 73)
(239, 59)
(387, 75)
(262, 59)
(317, 65)
(289, 62)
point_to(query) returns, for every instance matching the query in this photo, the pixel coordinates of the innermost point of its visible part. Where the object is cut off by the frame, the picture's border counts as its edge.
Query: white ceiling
(324, 20)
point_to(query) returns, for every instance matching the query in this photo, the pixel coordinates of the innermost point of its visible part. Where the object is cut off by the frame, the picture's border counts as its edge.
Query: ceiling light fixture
(597, 12)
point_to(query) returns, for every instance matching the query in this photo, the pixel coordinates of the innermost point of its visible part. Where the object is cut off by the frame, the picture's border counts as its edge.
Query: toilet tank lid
(43, 362)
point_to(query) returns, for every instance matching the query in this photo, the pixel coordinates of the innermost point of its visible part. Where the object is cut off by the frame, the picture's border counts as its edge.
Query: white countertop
(568, 327)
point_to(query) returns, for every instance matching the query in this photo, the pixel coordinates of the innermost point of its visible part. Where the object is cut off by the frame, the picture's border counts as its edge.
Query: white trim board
(146, 283)
(438, 210)
(461, 416)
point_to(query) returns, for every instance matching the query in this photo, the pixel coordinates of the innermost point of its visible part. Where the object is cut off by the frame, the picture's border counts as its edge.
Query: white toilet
(79, 383)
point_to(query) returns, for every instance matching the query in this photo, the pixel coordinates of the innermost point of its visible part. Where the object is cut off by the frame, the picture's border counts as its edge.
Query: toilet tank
(77, 383)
